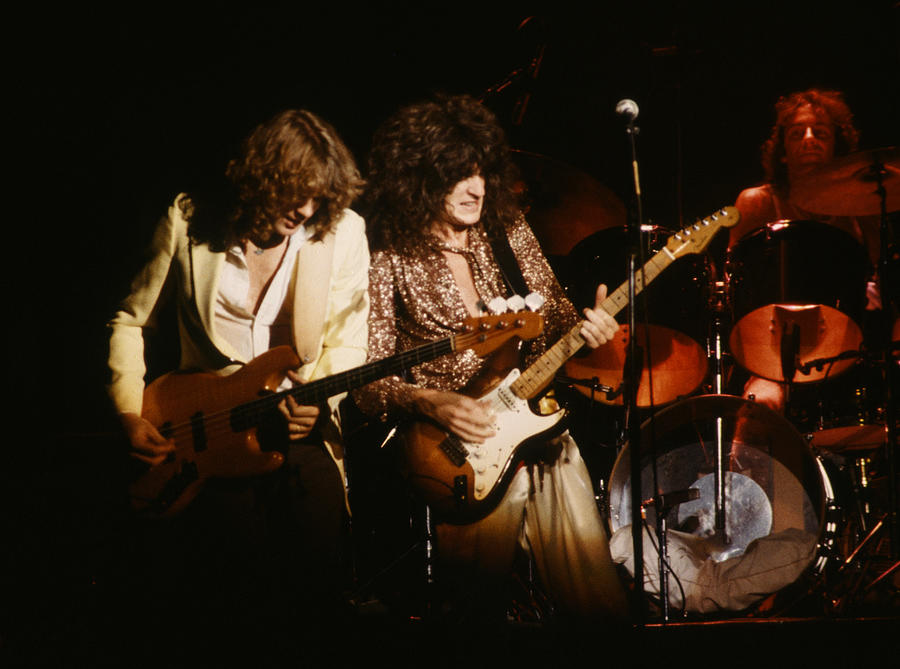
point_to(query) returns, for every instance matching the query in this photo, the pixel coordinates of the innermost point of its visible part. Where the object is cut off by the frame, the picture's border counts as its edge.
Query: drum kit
(804, 494)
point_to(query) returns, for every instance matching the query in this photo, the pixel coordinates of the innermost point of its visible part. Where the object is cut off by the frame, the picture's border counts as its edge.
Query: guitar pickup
(454, 449)
(198, 431)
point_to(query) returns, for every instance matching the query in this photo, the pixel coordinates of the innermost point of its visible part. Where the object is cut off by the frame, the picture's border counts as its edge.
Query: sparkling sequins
(415, 300)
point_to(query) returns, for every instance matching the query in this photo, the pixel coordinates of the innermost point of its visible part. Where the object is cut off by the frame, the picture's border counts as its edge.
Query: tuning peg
(534, 301)
(497, 306)
(515, 303)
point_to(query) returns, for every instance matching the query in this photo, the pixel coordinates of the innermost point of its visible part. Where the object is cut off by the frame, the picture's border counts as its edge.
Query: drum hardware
(797, 293)
(790, 350)
(593, 385)
(671, 320)
(860, 479)
(844, 414)
(819, 363)
(776, 489)
(865, 183)
(663, 504)
(718, 303)
(851, 558)
(854, 590)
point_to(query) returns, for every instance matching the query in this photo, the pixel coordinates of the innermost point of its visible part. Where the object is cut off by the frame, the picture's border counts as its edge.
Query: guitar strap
(512, 276)
(509, 265)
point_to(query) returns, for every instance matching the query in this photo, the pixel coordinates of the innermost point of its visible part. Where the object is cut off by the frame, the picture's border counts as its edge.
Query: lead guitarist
(441, 185)
(272, 256)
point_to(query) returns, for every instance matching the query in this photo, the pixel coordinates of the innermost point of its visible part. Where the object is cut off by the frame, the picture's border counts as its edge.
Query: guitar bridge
(174, 487)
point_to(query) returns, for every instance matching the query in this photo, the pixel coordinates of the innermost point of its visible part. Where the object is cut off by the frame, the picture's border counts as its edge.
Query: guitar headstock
(484, 334)
(697, 236)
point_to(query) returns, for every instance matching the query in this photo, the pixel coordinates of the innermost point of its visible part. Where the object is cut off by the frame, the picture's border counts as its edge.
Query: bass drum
(676, 312)
(799, 281)
(776, 494)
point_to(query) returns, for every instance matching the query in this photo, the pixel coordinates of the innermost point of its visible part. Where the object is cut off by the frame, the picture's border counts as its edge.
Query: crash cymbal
(564, 205)
(848, 186)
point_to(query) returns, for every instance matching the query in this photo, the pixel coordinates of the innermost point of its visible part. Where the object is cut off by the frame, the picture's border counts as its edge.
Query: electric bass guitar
(218, 423)
(464, 481)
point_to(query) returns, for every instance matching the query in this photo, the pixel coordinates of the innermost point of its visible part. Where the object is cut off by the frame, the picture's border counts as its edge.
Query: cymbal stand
(718, 307)
(890, 369)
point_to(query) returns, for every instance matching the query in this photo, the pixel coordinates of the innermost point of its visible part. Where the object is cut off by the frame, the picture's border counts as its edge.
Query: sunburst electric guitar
(464, 481)
(219, 422)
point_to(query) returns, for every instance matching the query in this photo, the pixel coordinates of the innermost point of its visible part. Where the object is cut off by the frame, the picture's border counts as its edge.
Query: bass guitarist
(272, 257)
(443, 214)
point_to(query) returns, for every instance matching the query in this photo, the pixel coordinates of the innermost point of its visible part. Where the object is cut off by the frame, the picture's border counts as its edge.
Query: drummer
(812, 128)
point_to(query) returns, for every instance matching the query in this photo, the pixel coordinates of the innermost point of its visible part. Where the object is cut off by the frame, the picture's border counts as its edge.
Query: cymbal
(565, 205)
(848, 186)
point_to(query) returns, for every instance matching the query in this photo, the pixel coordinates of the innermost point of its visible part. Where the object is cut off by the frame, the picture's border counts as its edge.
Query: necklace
(262, 247)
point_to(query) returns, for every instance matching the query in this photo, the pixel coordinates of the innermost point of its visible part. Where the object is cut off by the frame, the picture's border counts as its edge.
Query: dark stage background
(127, 109)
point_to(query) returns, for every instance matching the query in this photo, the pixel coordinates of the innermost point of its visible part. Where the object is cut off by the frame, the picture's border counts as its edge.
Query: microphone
(627, 109)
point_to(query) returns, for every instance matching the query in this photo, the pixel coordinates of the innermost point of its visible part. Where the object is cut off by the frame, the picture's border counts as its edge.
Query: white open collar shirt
(251, 335)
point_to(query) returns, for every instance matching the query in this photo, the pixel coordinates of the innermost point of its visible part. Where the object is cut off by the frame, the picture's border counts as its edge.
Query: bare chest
(465, 282)
(261, 269)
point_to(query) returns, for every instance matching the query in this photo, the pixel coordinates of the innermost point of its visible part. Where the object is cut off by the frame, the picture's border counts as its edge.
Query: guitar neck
(539, 374)
(318, 391)
(481, 334)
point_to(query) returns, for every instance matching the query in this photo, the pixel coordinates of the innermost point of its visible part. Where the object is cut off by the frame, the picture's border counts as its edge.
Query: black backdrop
(120, 110)
(130, 109)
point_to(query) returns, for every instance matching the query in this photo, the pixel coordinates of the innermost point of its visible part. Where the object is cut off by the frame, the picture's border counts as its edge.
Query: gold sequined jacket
(415, 300)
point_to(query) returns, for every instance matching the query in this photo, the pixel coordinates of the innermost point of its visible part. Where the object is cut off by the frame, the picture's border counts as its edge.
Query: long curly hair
(417, 157)
(831, 105)
(283, 162)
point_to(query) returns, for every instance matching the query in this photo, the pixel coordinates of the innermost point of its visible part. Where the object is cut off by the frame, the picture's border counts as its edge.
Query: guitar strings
(220, 422)
(222, 419)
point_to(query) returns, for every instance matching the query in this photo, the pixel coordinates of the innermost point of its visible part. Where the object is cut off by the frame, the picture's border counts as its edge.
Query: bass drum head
(774, 500)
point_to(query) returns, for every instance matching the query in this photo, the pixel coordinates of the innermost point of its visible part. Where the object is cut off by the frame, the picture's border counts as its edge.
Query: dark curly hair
(283, 162)
(828, 103)
(417, 157)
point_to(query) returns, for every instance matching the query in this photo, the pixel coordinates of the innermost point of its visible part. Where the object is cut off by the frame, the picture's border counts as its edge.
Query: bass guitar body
(217, 424)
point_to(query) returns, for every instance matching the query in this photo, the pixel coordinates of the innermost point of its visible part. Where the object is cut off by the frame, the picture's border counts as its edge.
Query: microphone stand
(663, 504)
(631, 386)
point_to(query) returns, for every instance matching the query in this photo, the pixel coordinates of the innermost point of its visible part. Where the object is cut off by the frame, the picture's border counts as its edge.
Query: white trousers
(549, 510)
